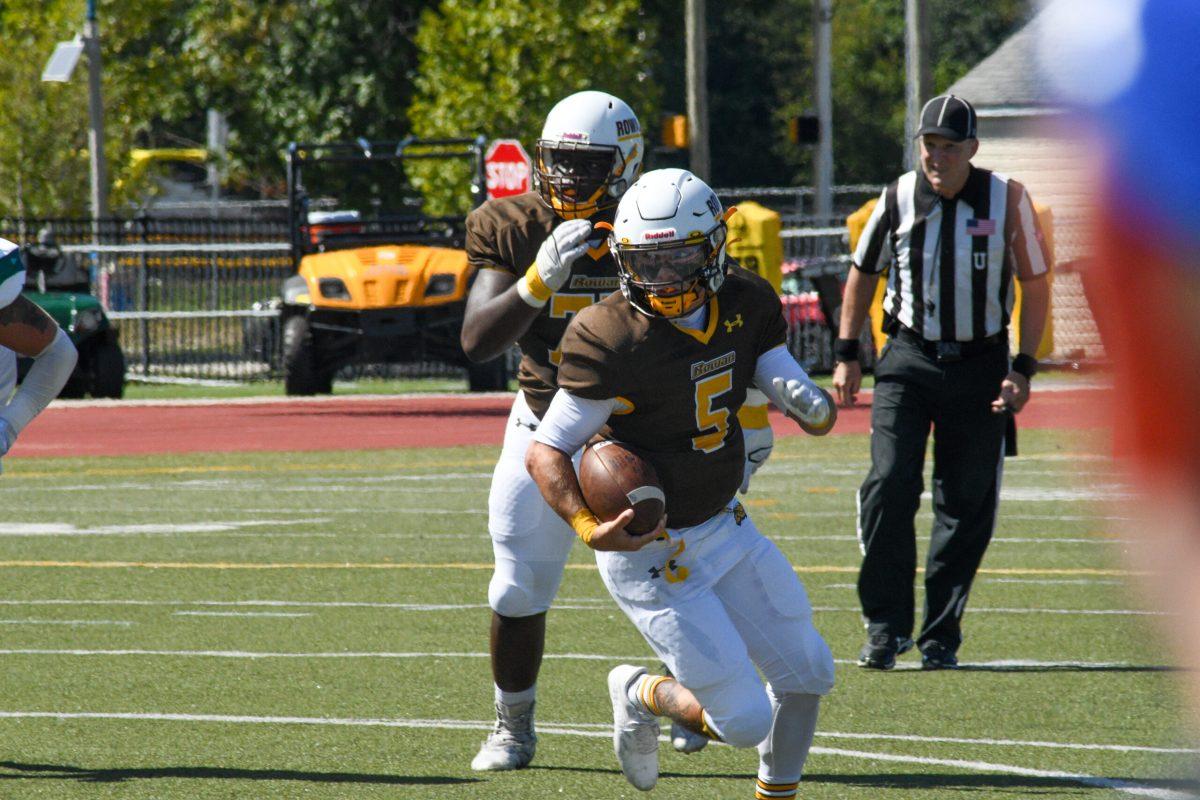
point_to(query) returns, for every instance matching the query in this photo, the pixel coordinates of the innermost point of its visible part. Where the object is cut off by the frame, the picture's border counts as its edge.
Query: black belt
(950, 351)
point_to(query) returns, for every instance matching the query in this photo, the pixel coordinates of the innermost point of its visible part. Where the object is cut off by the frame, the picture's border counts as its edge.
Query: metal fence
(195, 297)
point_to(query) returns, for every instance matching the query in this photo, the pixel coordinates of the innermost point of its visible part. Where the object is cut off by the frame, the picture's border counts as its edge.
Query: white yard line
(1014, 664)
(148, 529)
(1048, 539)
(1128, 787)
(239, 614)
(577, 605)
(601, 731)
(1059, 582)
(1085, 612)
(68, 622)
(985, 579)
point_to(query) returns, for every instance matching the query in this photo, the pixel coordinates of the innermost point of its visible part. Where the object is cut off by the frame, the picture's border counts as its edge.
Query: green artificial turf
(366, 574)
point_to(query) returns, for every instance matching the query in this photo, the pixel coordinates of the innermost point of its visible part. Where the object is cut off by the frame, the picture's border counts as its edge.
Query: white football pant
(530, 542)
(714, 601)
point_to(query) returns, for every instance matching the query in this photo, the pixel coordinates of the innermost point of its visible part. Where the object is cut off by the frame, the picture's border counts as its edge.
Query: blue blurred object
(1153, 125)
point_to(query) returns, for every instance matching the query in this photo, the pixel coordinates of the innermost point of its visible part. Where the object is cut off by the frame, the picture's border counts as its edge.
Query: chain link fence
(196, 297)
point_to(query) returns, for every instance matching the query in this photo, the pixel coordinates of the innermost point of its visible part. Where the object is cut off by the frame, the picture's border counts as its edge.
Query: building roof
(1010, 78)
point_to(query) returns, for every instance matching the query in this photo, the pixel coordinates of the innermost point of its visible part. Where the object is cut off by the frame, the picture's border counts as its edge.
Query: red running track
(352, 423)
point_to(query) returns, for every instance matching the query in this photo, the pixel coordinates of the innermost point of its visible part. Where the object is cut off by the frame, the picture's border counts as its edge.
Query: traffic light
(675, 131)
(805, 129)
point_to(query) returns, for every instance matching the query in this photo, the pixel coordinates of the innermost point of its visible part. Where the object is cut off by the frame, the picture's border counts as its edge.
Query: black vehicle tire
(108, 371)
(301, 376)
(490, 376)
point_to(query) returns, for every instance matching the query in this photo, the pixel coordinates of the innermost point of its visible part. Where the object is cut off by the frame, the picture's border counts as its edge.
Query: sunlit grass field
(315, 625)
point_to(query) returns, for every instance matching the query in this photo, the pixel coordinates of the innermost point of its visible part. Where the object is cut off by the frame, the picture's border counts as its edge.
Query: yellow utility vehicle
(377, 280)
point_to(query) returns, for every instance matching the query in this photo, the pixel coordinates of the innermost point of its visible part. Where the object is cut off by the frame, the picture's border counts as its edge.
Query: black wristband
(1026, 365)
(845, 349)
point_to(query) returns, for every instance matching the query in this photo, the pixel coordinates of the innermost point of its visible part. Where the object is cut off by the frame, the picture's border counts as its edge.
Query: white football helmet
(668, 240)
(590, 152)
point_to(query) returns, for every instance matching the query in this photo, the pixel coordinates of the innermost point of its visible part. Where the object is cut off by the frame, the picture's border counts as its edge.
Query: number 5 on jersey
(713, 420)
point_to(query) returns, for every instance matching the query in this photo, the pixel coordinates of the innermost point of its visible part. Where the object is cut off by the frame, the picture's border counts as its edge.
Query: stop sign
(508, 168)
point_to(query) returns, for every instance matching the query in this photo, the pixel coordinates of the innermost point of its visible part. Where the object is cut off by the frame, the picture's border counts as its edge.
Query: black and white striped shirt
(953, 260)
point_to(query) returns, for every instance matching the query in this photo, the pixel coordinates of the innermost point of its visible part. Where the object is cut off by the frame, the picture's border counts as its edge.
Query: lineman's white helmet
(590, 152)
(668, 240)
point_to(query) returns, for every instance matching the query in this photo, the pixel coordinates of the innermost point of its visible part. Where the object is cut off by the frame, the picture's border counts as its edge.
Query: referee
(952, 238)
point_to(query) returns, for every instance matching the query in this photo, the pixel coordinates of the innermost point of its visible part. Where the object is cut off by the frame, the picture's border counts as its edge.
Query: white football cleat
(685, 741)
(635, 732)
(511, 743)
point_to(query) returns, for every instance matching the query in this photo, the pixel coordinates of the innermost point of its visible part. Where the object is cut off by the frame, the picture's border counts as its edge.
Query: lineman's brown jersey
(679, 389)
(505, 234)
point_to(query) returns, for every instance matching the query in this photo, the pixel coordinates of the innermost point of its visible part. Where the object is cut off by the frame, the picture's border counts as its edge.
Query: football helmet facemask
(589, 153)
(668, 240)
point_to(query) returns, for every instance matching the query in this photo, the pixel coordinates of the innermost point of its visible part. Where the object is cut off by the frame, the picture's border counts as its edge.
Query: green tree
(308, 70)
(497, 67)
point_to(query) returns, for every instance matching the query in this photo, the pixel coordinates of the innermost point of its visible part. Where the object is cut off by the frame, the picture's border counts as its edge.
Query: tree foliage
(308, 70)
(326, 70)
(43, 126)
(497, 67)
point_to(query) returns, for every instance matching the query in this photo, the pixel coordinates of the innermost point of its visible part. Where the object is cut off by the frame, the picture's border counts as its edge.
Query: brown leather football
(614, 478)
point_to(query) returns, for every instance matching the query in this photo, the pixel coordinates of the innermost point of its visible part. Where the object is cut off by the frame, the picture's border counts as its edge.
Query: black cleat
(936, 655)
(881, 650)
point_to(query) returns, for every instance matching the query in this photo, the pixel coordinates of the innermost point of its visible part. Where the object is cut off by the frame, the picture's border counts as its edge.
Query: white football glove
(549, 272)
(759, 444)
(804, 401)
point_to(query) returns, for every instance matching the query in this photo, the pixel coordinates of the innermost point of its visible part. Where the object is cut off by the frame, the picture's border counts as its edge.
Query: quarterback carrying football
(664, 367)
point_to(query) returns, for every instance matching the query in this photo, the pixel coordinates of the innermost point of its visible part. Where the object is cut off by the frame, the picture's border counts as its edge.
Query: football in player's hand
(614, 478)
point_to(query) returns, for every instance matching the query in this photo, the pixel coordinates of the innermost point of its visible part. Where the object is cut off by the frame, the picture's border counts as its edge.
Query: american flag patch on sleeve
(981, 227)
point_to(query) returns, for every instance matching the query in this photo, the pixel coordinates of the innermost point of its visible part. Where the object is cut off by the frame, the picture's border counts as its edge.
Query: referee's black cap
(950, 116)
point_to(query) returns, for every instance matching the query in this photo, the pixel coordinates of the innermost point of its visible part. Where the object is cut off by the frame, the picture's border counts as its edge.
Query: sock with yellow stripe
(641, 692)
(782, 754)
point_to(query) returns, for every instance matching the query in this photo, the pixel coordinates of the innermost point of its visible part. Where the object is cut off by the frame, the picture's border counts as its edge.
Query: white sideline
(603, 732)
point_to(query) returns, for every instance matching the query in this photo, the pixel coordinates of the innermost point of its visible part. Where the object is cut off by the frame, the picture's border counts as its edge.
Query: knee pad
(809, 670)
(749, 725)
(743, 714)
(514, 590)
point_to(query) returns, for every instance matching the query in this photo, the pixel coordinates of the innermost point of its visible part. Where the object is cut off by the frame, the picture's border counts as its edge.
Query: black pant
(913, 391)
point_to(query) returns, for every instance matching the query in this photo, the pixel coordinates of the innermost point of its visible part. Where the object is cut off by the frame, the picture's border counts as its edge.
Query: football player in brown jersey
(27, 330)
(539, 262)
(664, 369)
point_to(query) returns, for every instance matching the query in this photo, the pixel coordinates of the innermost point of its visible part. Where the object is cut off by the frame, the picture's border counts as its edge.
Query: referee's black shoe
(936, 655)
(881, 650)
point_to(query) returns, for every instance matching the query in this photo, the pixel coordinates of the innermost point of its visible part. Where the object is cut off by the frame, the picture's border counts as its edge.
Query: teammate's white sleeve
(46, 377)
(571, 421)
(757, 435)
(783, 380)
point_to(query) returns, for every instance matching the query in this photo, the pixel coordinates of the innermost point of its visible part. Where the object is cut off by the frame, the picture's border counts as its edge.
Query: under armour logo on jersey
(736, 322)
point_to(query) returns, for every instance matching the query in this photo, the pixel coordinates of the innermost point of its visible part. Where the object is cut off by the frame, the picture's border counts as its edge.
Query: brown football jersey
(679, 389)
(506, 234)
